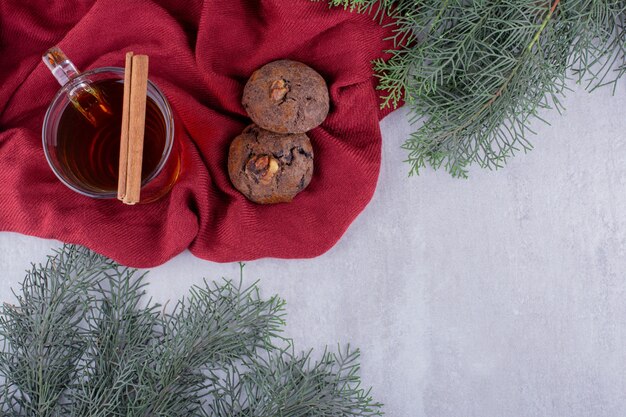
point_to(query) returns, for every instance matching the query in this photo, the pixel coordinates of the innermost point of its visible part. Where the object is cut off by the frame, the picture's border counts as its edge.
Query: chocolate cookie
(269, 167)
(286, 97)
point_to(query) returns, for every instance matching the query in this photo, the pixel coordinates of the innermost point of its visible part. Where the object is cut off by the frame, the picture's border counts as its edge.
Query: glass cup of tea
(82, 128)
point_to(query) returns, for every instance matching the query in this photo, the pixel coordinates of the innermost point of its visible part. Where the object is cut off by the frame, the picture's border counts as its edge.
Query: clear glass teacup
(81, 132)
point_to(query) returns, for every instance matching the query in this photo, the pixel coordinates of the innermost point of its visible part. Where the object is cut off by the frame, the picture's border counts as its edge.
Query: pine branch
(83, 341)
(212, 328)
(120, 338)
(477, 74)
(284, 384)
(42, 340)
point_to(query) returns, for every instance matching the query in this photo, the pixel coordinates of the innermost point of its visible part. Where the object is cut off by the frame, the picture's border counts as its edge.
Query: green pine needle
(81, 340)
(476, 74)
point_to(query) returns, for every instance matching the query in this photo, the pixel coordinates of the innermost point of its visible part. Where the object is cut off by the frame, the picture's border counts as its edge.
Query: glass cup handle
(59, 65)
(85, 97)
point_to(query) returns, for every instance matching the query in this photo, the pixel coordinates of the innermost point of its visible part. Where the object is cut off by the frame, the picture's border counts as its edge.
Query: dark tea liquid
(90, 154)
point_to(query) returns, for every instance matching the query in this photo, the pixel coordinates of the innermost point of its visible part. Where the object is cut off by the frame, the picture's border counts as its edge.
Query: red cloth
(201, 54)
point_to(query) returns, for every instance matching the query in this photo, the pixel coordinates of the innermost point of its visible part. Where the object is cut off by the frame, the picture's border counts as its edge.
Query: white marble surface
(501, 295)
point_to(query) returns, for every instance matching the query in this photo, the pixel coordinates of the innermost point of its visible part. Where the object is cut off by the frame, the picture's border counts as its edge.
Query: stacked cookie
(272, 160)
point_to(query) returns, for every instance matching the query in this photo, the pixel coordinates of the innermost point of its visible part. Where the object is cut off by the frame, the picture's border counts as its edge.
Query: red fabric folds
(201, 54)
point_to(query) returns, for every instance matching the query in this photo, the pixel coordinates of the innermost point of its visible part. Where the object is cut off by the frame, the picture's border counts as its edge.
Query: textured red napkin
(201, 54)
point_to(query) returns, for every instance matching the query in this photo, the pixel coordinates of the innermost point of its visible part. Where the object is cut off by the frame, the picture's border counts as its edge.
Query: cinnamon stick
(136, 127)
(123, 165)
